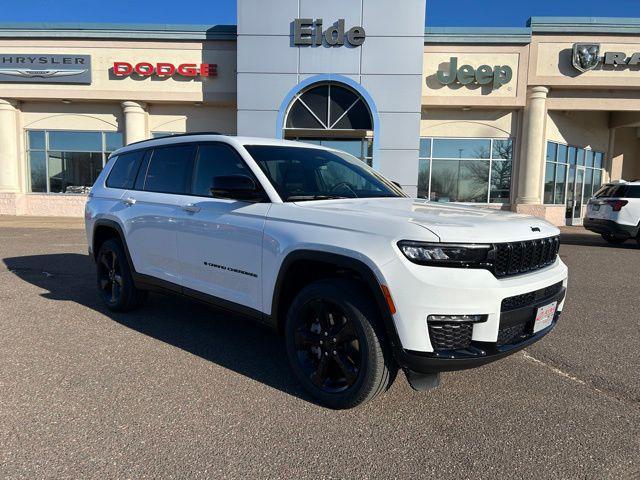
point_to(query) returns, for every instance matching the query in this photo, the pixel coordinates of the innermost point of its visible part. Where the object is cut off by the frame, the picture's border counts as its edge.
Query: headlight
(446, 254)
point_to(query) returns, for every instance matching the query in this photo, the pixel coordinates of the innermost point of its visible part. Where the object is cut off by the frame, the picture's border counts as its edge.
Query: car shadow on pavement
(233, 342)
(584, 238)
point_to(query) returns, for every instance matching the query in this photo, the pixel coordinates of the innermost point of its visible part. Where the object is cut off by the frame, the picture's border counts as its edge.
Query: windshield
(299, 173)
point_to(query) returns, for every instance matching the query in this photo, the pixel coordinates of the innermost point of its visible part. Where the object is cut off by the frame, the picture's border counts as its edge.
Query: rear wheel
(611, 238)
(336, 345)
(115, 282)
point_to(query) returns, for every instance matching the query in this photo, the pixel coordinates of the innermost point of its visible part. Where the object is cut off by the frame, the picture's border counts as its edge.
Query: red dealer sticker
(163, 69)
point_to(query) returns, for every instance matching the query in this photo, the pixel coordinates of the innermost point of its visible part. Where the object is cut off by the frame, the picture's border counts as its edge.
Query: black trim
(599, 225)
(478, 353)
(342, 261)
(147, 282)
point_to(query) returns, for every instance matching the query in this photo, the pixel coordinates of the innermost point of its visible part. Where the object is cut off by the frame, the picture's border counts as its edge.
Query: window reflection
(474, 170)
(67, 161)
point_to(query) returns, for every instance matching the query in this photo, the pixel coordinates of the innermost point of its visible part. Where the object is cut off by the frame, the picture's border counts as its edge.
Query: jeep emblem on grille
(535, 229)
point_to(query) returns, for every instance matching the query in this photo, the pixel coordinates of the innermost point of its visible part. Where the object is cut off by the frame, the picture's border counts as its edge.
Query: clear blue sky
(513, 13)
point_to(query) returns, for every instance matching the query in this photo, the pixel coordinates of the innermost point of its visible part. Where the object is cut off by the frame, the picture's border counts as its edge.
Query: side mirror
(235, 187)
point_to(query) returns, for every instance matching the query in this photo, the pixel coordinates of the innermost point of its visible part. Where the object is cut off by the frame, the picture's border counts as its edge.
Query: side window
(214, 160)
(169, 169)
(633, 191)
(123, 173)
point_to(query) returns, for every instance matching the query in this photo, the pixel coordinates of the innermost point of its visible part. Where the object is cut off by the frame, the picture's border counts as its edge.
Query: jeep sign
(307, 31)
(483, 75)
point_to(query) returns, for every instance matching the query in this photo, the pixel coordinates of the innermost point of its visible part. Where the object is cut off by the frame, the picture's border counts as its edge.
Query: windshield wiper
(299, 198)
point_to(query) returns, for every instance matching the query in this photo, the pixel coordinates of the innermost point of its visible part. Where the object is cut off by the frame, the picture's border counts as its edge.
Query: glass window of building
(474, 170)
(67, 161)
(359, 148)
(560, 178)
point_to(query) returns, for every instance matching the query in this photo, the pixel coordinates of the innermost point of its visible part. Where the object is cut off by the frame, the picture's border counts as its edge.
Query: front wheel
(336, 345)
(613, 239)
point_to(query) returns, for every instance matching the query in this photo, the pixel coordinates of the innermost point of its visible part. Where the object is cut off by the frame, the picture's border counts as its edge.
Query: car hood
(449, 222)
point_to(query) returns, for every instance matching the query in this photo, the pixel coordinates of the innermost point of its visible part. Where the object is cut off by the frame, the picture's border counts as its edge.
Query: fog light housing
(457, 318)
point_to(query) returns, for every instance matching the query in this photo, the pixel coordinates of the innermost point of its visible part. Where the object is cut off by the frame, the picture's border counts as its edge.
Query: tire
(361, 366)
(114, 280)
(610, 238)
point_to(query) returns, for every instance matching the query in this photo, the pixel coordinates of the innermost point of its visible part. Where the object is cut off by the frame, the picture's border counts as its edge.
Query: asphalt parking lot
(179, 390)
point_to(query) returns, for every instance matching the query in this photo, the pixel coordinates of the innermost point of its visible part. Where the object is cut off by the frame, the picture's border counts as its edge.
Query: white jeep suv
(359, 278)
(614, 212)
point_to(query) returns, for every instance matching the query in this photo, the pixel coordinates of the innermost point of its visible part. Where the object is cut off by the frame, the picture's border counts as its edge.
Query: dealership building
(528, 119)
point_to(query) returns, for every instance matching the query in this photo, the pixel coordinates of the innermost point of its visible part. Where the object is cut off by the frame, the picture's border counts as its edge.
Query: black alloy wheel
(336, 343)
(110, 277)
(327, 346)
(613, 239)
(115, 282)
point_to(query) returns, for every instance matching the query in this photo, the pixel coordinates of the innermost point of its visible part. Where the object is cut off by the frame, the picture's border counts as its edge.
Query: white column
(533, 147)
(135, 121)
(613, 165)
(9, 161)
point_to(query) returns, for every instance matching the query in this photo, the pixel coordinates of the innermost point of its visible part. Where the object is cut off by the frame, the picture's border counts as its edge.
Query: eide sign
(307, 31)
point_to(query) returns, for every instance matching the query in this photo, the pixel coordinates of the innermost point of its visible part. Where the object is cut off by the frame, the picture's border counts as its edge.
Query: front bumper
(599, 225)
(419, 291)
(480, 353)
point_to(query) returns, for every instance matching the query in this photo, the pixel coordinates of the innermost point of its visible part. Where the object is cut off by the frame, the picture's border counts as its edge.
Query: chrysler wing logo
(33, 73)
(586, 56)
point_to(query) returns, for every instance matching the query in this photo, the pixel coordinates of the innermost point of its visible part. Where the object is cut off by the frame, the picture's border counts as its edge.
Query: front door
(220, 240)
(575, 195)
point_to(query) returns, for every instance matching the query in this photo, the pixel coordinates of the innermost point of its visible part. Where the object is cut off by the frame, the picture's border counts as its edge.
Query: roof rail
(174, 136)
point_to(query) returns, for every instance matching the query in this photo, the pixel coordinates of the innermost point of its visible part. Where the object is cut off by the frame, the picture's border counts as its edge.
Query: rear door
(220, 240)
(150, 210)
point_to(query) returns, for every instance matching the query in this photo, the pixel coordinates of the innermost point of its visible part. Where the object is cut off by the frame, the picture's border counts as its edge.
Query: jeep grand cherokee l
(360, 279)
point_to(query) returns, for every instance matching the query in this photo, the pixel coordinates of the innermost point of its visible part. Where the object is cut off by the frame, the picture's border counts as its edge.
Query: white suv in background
(360, 279)
(614, 212)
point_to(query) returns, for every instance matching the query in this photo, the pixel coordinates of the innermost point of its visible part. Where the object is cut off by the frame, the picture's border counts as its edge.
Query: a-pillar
(9, 163)
(135, 121)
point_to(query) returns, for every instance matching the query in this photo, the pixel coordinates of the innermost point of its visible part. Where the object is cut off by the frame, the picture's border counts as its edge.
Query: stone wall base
(42, 205)
(554, 214)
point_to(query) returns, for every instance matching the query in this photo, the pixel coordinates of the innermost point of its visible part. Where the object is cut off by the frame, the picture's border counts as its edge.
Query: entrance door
(575, 194)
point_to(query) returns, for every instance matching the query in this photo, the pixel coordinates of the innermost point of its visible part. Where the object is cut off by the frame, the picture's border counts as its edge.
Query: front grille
(512, 334)
(450, 336)
(518, 301)
(520, 257)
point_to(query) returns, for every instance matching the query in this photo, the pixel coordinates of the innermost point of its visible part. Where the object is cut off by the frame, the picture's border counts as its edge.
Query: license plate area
(544, 316)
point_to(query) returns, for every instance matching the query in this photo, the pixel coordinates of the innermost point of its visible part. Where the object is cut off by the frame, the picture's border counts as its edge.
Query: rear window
(123, 173)
(169, 169)
(608, 191)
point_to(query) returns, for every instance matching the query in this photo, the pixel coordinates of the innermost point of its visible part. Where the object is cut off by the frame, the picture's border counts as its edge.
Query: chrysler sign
(45, 68)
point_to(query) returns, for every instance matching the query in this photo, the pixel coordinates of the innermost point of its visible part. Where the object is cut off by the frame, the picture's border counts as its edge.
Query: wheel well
(101, 234)
(301, 273)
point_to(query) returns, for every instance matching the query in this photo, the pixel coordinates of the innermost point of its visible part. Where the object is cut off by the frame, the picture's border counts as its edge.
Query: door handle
(191, 208)
(129, 201)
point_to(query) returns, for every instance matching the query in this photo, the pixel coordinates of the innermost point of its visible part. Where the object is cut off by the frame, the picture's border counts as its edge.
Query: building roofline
(129, 31)
(477, 35)
(606, 25)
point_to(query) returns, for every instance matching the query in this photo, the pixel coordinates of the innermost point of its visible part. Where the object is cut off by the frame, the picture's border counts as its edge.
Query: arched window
(329, 106)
